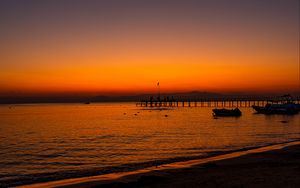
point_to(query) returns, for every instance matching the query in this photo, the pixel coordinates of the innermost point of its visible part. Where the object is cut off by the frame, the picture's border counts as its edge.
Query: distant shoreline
(131, 98)
(120, 179)
(67, 103)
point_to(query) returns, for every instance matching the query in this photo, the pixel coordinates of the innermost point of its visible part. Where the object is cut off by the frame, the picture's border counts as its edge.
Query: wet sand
(278, 168)
(273, 166)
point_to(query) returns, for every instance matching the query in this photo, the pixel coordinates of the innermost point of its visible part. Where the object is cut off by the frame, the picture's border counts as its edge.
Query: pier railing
(233, 102)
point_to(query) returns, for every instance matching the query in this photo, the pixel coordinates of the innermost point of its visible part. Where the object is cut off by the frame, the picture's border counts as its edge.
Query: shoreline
(155, 174)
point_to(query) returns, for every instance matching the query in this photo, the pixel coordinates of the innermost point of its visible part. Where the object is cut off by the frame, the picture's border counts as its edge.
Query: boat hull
(288, 109)
(227, 112)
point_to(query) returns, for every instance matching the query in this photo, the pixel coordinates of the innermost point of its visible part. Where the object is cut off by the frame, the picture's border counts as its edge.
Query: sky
(120, 47)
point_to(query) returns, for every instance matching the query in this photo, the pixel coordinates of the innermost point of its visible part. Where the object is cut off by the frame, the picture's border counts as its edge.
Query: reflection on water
(67, 140)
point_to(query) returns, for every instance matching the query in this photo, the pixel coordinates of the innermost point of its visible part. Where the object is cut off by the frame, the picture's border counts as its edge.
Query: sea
(46, 142)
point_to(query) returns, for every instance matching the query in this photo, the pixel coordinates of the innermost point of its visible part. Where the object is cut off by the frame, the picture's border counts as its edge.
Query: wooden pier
(233, 103)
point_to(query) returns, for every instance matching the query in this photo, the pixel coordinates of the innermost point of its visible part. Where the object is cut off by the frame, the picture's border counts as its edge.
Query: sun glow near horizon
(142, 78)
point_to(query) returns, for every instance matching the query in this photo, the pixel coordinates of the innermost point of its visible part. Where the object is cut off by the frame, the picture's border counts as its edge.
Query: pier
(230, 102)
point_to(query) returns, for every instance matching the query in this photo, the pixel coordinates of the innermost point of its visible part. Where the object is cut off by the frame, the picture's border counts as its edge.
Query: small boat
(287, 108)
(227, 112)
(87, 103)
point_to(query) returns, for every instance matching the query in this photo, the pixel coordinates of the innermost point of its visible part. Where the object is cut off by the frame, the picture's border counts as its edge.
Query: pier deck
(211, 102)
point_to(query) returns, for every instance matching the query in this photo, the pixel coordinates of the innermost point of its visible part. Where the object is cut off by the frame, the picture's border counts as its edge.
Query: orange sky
(241, 48)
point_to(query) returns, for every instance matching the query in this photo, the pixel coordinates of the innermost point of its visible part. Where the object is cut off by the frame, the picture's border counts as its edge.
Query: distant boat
(87, 103)
(227, 112)
(287, 108)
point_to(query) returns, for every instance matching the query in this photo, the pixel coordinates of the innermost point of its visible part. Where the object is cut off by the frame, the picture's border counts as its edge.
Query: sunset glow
(149, 93)
(109, 47)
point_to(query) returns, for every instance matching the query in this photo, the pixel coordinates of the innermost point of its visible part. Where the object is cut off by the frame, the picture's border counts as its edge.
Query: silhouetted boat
(87, 103)
(287, 108)
(227, 112)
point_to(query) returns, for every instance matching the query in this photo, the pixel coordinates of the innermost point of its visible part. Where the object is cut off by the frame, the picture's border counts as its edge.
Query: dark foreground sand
(278, 168)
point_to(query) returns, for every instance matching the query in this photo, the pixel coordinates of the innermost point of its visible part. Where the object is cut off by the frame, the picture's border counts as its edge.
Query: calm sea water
(54, 141)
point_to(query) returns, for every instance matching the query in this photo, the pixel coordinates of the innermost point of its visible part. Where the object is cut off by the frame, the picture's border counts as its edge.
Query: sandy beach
(272, 166)
(278, 168)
